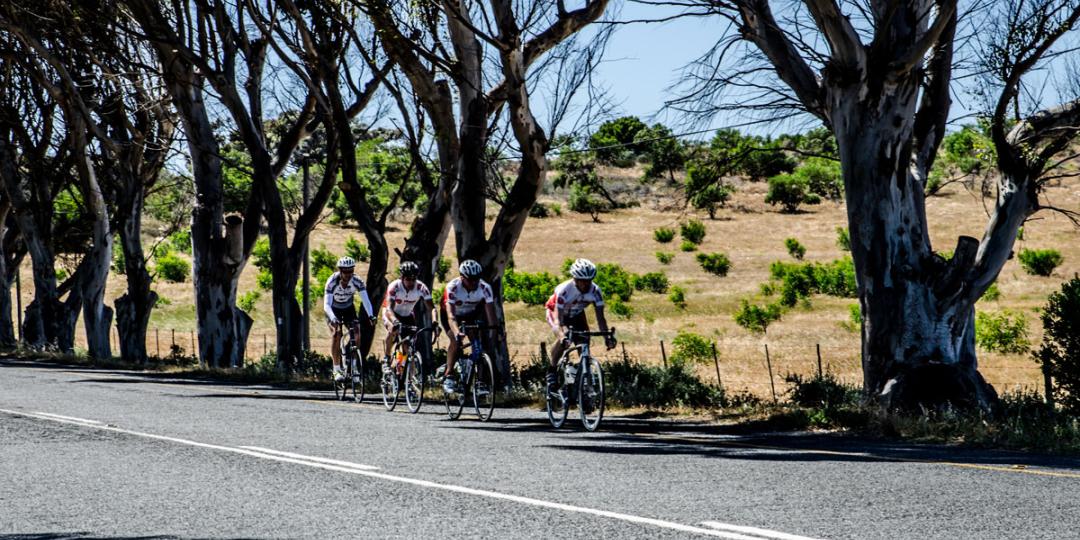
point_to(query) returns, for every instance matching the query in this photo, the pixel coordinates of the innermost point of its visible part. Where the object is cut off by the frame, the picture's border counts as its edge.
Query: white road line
(72, 418)
(629, 518)
(764, 533)
(328, 461)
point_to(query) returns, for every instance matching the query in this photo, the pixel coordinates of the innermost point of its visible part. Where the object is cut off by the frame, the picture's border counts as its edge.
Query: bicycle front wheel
(483, 388)
(414, 382)
(455, 401)
(390, 387)
(591, 393)
(558, 397)
(356, 376)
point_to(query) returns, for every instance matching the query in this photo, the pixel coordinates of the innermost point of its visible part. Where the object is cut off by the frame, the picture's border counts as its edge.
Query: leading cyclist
(460, 305)
(566, 310)
(340, 308)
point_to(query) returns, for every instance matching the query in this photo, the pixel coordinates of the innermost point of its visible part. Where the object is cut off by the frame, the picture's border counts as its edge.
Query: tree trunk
(134, 307)
(7, 275)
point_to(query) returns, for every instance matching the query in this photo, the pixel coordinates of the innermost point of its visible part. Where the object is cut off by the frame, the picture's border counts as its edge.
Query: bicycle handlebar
(475, 326)
(571, 332)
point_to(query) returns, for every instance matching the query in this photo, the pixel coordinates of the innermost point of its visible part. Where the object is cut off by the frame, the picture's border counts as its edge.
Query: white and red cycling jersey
(402, 300)
(461, 302)
(569, 302)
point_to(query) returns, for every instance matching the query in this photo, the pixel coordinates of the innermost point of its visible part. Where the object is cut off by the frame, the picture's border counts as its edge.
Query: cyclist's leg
(391, 336)
(335, 345)
(558, 347)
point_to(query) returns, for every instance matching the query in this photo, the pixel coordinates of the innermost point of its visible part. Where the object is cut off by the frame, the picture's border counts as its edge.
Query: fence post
(625, 358)
(819, 374)
(157, 341)
(193, 347)
(716, 362)
(544, 355)
(663, 353)
(264, 344)
(173, 339)
(1048, 385)
(768, 363)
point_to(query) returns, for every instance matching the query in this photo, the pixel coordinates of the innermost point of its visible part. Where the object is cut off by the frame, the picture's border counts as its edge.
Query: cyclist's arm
(328, 299)
(434, 312)
(492, 320)
(601, 321)
(366, 301)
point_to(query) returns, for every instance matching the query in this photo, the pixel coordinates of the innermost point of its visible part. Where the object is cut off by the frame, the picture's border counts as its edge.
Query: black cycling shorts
(345, 315)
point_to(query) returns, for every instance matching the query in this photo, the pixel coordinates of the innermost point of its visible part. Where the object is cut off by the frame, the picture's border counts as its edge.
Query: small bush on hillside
(181, 240)
(992, 293)
(264, 279)
(322, 258)
(664, 258)
(1040, 262)
(634, 385)
(687, 246)
(119, 265)
(1060, 350)
(843, 239)
(678, 297)
(173, 269)
(556, 208)
(714, 263)
(247, 300)
(800, 280)
(693, 231)
(359, 252)
(260, 253)
(704, 188)
(531, 288)
(854, 322)
(790, 192)
(539, 210)
(656, 282)
(583, 201)
(442, 268)
(757, 318)
(613, 142)
(822, 177)
(663, 151)
(663, 235)
(619, 308)
(614, 281)
(712, 198)
(1005, 332)
(689, 348)
(794, 248)
(820, 391)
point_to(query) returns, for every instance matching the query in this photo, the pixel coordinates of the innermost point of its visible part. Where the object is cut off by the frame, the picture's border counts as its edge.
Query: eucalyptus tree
(470, 64)
(878, 74)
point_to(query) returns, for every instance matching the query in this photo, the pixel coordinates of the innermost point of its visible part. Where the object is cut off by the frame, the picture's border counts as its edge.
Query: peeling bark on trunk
(134, 307)
(8, 269)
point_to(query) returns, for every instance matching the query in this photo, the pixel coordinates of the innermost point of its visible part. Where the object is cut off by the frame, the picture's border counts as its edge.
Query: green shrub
(794, 248)
(678, 297)
(265, 279)
(790, 192)
(801, 280)
(820, 391)
(691, 348)
(539, 210)
(173, 268)
(1005, 332)
(614, 281)
(704, 188)
(247, 300)
(714, 263)
(992, 293)
(664, 258)
(687, 246)
(613, 142)
(260, 253)
(693, 231)
(584, 201)
(1040, 262)
(630, 384)
(531, 288)
(181, 240)
(843, 239)
(1060, 350)
(442, 268)
(119, 265)
(663, 235)
(356, 250)
(822, 177)
(855, 315)
(757, 318)
(619, 308)
(322, 258)
(656, 282)
(663, 151)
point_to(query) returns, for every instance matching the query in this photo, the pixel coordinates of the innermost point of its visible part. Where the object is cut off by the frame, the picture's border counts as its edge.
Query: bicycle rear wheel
(483, 388)
(356, 376)
(558, 397)
(591, 393)
(414, 382)
(455, 401)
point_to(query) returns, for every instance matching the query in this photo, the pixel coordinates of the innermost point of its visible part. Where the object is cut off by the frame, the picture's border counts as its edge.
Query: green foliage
(664, 258)
(692, 231)
(631, 384)
(656, 282)
(854, 317)
(264, 279)
(1005, 332)
(556, 208)
(181, 240)
(614, 281)
(678, 297)
(235, 178)
(714, 263)
(386, 176)
(356, 250)
(1060, 350)
(173, 268)
(247, 300)
(613, 142)
(687, 246)
(705, 189)
(118, 262)
(843, 239)
(822, 178)
(967, 151)
(442, 268)
(619, 308)
(61, 274)
(790, 192)
(531, 288)
(539, 210)
(689, 348)
(818, 141)
(757, 318)
(260, 253)
(794, 248)
(662, 150)
(664, 234)
(798, 281)
(584, 200)
(755, 157)
(823, 390)
(323, 265)
(1040, 262)
(992, 293)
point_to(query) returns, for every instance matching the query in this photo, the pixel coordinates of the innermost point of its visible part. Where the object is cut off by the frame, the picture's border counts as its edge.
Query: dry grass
(752, 234)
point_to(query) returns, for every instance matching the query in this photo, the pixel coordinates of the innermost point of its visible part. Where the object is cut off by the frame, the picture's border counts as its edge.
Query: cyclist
(399, 305)
(340, 308)
(461, 304)
(566, 310)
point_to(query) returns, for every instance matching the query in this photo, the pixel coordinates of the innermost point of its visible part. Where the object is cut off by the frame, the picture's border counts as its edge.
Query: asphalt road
(90, 454)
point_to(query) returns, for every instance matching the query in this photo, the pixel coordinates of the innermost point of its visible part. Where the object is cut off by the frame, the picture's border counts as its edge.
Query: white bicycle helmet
(583, 269)
(346, 262)
(470, 268)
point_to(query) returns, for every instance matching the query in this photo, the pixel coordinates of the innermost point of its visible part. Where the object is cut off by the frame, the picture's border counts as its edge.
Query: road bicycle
(580, 382)
(406, 370)
(353, 383)
(475, 375)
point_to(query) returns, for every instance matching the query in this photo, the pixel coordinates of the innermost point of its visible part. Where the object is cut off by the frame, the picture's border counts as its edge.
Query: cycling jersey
(403, 301)
(569, 302)
(340, 295)
(461, 302)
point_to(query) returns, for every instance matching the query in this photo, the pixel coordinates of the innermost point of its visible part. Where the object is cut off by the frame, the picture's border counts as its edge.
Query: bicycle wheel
(483, 388)
(340, 388)
(414, 382)
(591, 393)
(388, 382)
(558, 398)
(455, 401)
(356, 376)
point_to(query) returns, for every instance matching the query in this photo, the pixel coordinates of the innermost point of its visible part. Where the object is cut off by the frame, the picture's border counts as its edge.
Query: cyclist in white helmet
(399, 305)
(466, 300)
(566, 310)
(340, 308)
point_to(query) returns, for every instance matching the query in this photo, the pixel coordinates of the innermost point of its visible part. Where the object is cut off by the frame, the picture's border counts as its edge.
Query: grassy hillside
(752, 234)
